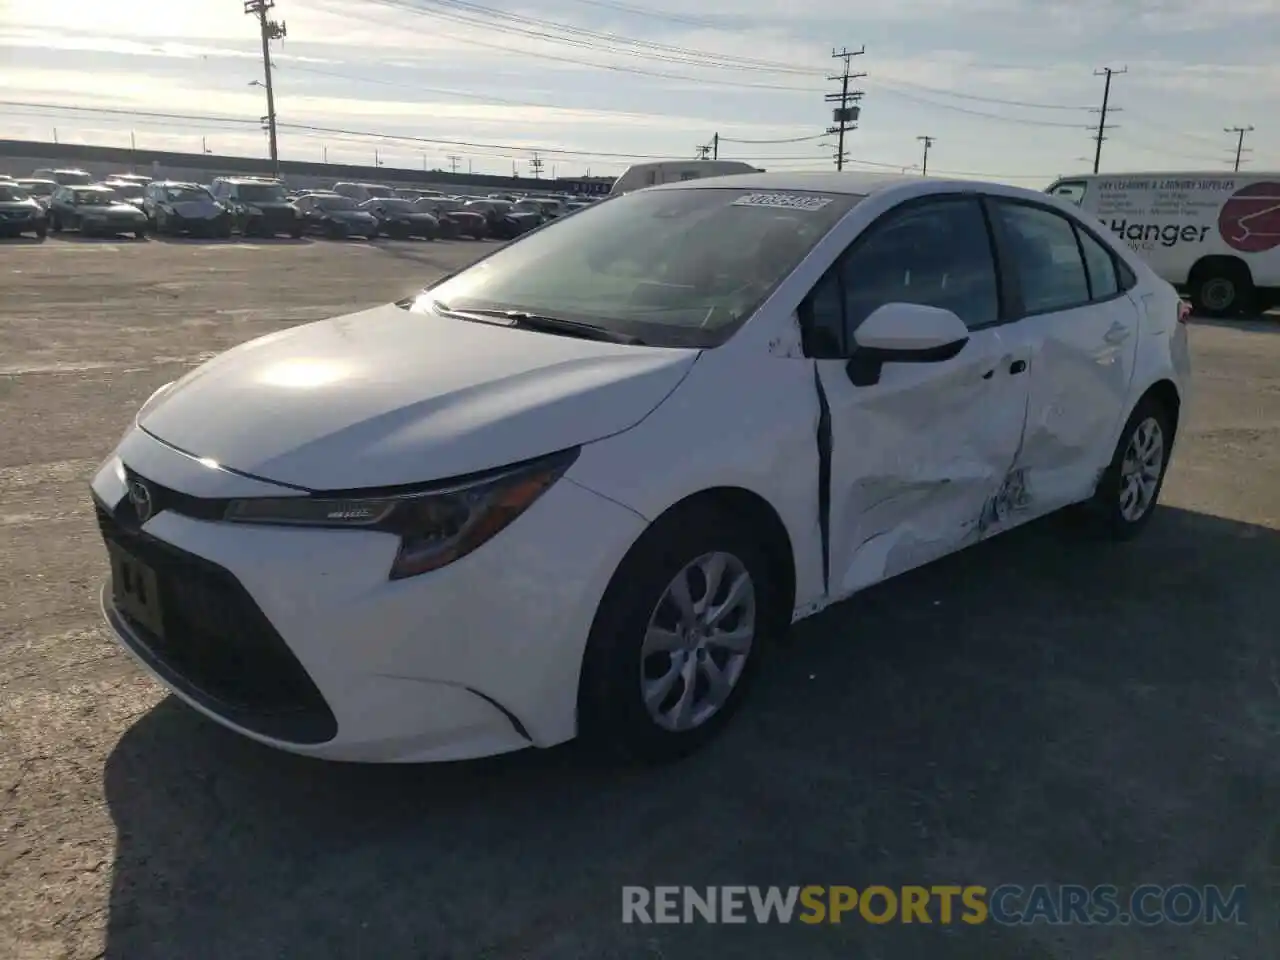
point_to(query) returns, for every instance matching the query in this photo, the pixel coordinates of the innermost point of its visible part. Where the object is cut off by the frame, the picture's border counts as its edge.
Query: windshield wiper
(557, 325)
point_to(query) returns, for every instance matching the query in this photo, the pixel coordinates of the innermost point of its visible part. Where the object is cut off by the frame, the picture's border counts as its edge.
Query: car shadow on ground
(186, 240)
(67, 236)
(1041, 708)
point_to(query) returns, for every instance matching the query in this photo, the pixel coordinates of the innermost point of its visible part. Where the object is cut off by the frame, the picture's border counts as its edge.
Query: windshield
(185, 194)
(439, 203)
(37, 188)
(377, 193)
(97, 197)
(10, 192)
(130, 190)
(1070, 190)
(672, 267)
(262, 193)
(335, 203)
(72, 178)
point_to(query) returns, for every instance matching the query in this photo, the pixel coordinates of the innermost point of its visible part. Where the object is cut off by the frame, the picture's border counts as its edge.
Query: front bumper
(323, 655)
(199, 226)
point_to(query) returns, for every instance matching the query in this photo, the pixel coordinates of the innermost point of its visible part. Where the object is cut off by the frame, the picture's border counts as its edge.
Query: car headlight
(436, 525)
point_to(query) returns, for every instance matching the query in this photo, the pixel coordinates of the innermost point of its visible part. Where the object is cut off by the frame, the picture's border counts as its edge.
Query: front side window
(1101, 267)
(1046, 258)
(672, 267)
(1070, 190)
(936, 253)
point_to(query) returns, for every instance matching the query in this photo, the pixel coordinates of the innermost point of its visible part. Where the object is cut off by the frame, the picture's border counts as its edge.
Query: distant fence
(20, 157)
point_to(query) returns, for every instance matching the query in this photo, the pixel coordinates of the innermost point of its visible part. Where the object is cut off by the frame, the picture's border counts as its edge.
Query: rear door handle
(1017, 366)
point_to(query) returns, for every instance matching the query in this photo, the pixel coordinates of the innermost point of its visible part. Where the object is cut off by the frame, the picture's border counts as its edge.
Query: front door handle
(1017, 366)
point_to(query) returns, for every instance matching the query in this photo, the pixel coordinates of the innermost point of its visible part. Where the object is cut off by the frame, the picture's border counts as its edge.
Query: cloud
(961, 71)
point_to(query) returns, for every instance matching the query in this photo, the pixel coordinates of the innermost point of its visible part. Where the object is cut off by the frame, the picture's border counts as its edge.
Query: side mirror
(904, 333)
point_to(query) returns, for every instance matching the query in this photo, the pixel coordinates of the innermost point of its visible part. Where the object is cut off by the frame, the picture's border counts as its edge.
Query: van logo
(1250, 219)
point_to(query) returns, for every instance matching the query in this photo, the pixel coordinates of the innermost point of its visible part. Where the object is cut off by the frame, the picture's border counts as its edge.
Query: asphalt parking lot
(1041, 708)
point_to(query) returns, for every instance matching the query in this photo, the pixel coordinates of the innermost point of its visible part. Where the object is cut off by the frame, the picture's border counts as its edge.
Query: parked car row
(60, 200)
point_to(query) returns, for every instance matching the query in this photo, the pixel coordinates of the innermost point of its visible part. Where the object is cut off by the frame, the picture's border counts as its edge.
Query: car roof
(852, 183)
(176, 183)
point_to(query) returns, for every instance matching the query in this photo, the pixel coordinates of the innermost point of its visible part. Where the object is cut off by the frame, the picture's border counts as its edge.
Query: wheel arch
(748, 508)
(1215, 264)
(1165, 392)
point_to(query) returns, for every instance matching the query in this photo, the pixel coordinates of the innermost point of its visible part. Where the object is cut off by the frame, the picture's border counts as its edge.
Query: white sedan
(575, 488)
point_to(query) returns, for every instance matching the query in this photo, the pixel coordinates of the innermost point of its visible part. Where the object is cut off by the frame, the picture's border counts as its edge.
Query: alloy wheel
(1141, 469)
(698, 640)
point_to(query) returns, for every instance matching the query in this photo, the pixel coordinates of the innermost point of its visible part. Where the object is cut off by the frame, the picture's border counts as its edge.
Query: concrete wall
(21, 157)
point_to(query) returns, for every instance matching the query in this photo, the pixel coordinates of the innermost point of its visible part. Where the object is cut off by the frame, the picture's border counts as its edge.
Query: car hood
(19, 206)
(389, 397)
(110, 209)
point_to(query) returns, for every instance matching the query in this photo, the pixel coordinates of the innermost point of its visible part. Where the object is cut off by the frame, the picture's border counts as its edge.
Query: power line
(513, 150)
(845, 115)
(1102, 118)
(519, 149)
(490, 18)
(1240, 132)
(890, 84)
(814, 136)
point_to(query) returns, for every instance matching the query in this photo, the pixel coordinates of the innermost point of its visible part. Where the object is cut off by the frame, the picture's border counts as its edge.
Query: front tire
(1130, 487)
(677, 638)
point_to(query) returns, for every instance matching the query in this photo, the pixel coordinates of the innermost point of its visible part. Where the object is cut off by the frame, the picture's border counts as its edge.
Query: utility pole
(715, 146)
(845, 116)
(536, 166)
(703, 151)
(453, 164)
(1102, 119)
(270, 30)
(1239, 132)
(924, 162)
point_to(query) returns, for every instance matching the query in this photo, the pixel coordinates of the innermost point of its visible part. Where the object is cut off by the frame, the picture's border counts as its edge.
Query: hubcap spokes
(697, 642)
(1140, 469)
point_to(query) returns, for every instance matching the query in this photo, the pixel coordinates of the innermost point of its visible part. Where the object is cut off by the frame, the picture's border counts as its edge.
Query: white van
(641, 175)
(1214, 235)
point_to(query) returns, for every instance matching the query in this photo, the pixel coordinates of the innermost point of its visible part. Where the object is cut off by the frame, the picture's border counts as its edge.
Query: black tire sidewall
(612, 717)
(1107, 497)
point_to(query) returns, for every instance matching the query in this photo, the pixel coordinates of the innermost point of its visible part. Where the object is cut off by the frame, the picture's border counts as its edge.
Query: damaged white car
(575, 488)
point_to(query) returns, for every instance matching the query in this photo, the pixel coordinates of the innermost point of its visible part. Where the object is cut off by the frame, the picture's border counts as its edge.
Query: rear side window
(1046, 258)
(1101, 266)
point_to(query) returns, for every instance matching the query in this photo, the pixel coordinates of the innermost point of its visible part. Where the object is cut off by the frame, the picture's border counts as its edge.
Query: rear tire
(641, 666)
(1130, 487)
(1223, 290)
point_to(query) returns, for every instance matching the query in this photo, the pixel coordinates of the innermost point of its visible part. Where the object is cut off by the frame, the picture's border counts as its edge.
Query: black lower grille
(218, 647)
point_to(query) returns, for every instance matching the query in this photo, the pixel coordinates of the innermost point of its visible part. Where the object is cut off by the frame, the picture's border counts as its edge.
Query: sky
(1006, 89)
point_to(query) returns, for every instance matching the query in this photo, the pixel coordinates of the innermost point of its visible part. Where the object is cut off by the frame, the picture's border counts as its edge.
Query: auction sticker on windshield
(785, 201)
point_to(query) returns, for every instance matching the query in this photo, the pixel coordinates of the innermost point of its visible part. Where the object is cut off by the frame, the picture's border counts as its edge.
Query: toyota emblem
(140, 497)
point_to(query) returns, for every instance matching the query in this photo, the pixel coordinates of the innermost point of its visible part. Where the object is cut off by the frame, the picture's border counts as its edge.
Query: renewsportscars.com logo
(1006, 905)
